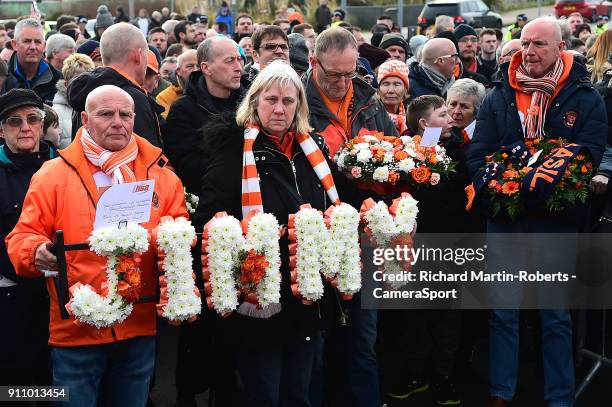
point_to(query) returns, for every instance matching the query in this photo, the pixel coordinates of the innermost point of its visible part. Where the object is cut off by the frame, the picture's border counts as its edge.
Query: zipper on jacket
(295, 177)
(292, 166)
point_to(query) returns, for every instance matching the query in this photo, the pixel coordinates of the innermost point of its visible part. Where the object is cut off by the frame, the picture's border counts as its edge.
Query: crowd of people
(187, 101)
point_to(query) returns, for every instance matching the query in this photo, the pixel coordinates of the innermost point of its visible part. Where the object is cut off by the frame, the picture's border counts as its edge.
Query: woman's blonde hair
(277, 73)
(600, 52)
(75, 65)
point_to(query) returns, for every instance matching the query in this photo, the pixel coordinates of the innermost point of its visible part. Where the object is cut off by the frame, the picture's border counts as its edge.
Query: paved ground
(472, 382)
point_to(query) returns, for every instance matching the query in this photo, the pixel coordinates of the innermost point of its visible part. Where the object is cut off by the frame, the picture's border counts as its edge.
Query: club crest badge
(569, 119)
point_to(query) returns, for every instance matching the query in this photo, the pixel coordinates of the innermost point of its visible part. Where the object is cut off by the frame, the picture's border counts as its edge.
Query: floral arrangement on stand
(179, 296)
(507, 187)
(242, 258)
(389, 227)
(122, 247)
(376, 159)
(325, 244)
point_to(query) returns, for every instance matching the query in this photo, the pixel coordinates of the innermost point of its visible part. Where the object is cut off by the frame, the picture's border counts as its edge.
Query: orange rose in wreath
(252, 269)
(126, 264)
(129, 292)
(400, 155)
(421, 174)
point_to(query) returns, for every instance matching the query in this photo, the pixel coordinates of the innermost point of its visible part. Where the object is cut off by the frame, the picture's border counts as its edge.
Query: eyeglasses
(16, 121)
(336, 76)
(272, 47)
(472, 40)
(454, 56)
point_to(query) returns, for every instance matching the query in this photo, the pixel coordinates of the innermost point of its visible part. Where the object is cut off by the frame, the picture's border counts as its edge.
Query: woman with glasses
(24, 303)
(275, 351)
(393, 91)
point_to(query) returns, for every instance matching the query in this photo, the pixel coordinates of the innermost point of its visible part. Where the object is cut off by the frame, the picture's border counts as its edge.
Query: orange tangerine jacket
(62, 196)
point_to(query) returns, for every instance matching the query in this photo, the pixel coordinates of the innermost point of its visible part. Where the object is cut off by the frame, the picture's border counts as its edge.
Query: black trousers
(414, 343)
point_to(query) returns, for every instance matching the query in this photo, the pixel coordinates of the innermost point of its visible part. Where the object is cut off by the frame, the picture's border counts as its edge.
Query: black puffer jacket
(43, 84)
(147, 120)
(181, 132)
(16, 170)
(283, 191)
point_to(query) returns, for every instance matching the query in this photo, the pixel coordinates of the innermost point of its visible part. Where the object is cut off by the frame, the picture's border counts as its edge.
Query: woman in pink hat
(393, 90)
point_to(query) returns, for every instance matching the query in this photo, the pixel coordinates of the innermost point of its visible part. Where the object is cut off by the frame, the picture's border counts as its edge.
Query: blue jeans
(123, 368)
(278, 376)
(556, 324)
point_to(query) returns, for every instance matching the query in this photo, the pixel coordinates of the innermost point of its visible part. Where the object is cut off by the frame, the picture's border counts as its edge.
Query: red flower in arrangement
(510, 188)
(252, 269)
(421, 174)
(130, 278)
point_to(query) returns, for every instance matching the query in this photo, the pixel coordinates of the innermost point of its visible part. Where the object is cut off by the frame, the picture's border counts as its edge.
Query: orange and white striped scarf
(251, 193)
(399, 119)
(115, 164)
(542, 90)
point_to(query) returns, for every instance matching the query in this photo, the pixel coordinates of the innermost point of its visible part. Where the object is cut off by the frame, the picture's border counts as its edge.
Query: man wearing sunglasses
(342, 107)
(467, 40)
(269, 43)
(434, 74)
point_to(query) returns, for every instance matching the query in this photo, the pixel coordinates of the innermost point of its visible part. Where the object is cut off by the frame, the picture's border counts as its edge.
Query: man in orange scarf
(543, 93)
(63, 195)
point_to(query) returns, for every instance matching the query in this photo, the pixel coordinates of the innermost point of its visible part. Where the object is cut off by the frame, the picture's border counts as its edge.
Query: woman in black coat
(274, 355)
(24, 303)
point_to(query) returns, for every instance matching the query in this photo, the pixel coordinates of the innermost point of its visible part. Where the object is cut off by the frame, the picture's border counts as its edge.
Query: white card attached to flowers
(123, 203)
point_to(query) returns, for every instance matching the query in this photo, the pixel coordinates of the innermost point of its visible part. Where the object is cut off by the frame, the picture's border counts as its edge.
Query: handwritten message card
(129, 202)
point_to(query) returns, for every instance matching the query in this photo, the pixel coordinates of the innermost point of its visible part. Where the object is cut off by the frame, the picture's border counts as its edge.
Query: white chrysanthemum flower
(385, 145)
(381, 174)
(364, 156)
(361, 146)
(406, 165)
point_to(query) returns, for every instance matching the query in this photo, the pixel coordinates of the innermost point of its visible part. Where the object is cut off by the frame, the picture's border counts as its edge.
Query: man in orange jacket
(63, 196)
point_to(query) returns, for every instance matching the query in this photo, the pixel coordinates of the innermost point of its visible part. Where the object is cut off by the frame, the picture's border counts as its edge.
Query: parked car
(473, 12)
(589, 9)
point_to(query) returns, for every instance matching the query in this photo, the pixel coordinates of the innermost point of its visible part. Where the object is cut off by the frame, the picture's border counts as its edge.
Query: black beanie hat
(462, 30)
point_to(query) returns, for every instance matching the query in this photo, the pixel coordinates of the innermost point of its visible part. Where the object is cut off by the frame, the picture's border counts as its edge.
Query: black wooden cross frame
(61, 281)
